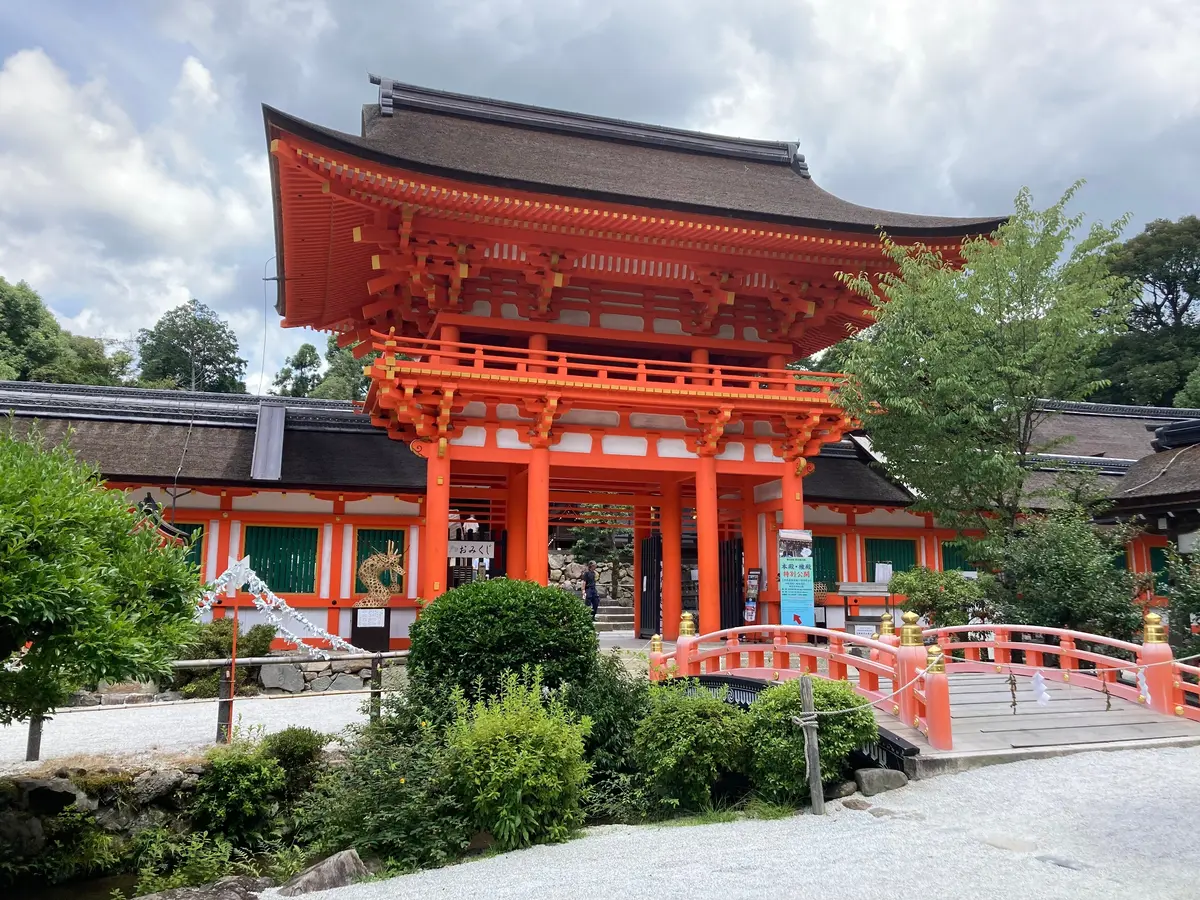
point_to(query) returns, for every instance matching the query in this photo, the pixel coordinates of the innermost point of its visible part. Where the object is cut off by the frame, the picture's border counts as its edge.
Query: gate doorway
(732, 586)
(650, 619)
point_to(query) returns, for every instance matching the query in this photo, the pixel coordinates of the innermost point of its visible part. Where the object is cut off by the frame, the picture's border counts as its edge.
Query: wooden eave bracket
(711, 439)
(546, 271)
(544, 410)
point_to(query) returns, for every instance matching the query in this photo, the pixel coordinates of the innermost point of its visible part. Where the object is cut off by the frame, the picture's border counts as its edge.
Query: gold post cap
(887, 624)
(687, 625)
(656, 645)
(935, 660)
(1153, 631)
(910, 631)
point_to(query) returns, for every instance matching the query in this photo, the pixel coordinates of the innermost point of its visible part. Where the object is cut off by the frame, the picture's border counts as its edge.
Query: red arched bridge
(974, 690)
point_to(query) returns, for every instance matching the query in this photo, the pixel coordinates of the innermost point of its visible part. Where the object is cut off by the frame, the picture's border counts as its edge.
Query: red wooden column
(518, 503)
(537, 515)
(708, 544)
(672, 559)
(437, 521)
(793, 493)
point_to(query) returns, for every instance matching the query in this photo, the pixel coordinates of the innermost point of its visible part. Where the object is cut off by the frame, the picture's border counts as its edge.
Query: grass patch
(708, 817)
(757, 808)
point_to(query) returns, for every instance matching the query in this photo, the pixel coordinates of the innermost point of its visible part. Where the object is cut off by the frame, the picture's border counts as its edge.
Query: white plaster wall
(281, 501)
(668, 326)
(591, 417)
(508, 439)
(890, 519)
(402, 620)
(382, 505)
(574, 317)
(508, 412)
(765, 454)
(474, 410)
(674, 448)
(622, 323)
(821, 515)
(771, 490)
(624, 445)
(573, 442)
(654, 422)
(472, 436)
(183, 500)
(733, 450)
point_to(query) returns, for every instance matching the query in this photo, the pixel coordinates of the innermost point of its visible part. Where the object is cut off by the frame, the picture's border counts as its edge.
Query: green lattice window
(825, 562)
(1158, 565)
(1121, 560)
(285, 558)
(902, 554)
(195, 532)
(375, 540)
(954, 558)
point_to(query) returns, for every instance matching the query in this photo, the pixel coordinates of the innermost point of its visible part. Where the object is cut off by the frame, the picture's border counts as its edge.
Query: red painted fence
(903, 677)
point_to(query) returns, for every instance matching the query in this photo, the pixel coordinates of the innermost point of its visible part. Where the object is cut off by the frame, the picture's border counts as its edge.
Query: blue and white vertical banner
(797, 600)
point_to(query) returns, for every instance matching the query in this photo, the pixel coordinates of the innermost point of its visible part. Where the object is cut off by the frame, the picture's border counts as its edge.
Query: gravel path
(1095, 825)
(146, 730)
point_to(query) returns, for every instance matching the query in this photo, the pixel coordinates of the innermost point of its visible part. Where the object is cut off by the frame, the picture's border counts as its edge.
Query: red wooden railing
(455, 357)
(903, 677)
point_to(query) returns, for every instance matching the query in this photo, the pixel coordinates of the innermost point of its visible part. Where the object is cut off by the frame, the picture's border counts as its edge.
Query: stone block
(321, 683)
(574, 570)
(346, 682)
(340, 870)
(153, 785)
(47, 796)
(840, 789)
(83, 698)
(876, 781)
(318, 668)
(168, 697)
(287, 677)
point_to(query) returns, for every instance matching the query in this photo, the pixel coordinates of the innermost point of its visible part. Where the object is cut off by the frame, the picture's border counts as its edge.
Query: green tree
(85, 582)
(600, 541)
(1151, 363)
(33, 347)
(943, 598)
(1164, 262)
(948, 379)
(344, 378)
(192, 347)
(1057, 571)
(300, 374)
(1189, 395)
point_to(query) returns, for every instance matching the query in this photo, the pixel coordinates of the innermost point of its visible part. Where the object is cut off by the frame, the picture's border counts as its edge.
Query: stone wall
(568, 574)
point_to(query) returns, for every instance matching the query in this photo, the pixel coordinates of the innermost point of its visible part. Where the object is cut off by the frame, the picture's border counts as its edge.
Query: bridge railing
(895, 673)
(1158, 680)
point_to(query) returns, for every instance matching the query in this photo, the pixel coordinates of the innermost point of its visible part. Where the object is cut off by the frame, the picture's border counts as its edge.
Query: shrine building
(567, 320)
(573, 310)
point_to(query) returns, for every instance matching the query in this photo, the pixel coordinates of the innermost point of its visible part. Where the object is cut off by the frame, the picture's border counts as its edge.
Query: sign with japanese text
(797, 599)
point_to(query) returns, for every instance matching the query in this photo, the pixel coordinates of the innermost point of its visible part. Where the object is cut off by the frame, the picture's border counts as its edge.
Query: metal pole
(33, 746)
(232, 670)
(376, 686)
(224, 708)
(812, 755)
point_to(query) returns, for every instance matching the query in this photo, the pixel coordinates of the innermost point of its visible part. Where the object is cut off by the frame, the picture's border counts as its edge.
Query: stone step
(615, 626)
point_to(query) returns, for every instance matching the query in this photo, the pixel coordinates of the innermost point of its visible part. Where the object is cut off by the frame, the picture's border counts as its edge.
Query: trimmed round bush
(518, 764)
(777, 767)
(688, 743)
(470, 636)
(298, 751)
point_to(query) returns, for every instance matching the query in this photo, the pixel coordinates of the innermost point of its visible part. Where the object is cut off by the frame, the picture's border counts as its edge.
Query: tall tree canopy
(300, 374)
(947, 381)
(192, 348)
(1151, 363)
(344, 378)
(85, 582)
(33, 347)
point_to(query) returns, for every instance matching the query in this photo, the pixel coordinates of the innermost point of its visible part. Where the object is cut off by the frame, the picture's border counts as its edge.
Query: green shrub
(238, 794)
(518, 764)
(392, 799)
(298, 752)
(75, 847)
(470, 636)
(687, 744)
(164, 860)
(214, 640)
(944, 598)
(777, 766)
(616, 702)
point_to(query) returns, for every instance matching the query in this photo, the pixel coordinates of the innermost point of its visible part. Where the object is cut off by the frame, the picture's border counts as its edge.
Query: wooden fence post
(33, 745)
(376, 686)
(224, 707)
(812, 753)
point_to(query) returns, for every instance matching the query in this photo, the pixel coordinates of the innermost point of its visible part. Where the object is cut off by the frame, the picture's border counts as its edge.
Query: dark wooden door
(650, 619)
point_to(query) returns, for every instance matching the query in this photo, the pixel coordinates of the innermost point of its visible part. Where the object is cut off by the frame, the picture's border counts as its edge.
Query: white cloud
(111, 223)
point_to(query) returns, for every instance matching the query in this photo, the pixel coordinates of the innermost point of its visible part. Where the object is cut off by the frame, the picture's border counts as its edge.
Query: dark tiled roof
(842, 473)
(1172, 474)
(141, 435)
(1095, 429)
(551, 151)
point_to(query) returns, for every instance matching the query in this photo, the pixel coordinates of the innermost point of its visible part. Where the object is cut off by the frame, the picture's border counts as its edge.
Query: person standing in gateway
(590, 594)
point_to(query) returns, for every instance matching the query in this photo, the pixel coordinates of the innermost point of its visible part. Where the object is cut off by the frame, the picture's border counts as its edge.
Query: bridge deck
(988, 730)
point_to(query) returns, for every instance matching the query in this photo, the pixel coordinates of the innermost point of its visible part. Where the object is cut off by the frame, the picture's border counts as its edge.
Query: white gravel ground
(1095, 826)
(145, 730)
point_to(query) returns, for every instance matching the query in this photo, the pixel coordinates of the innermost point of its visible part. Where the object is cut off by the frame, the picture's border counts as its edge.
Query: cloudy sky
(133, 167)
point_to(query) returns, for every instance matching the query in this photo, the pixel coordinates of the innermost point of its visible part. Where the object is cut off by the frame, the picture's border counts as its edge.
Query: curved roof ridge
(393, 94)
